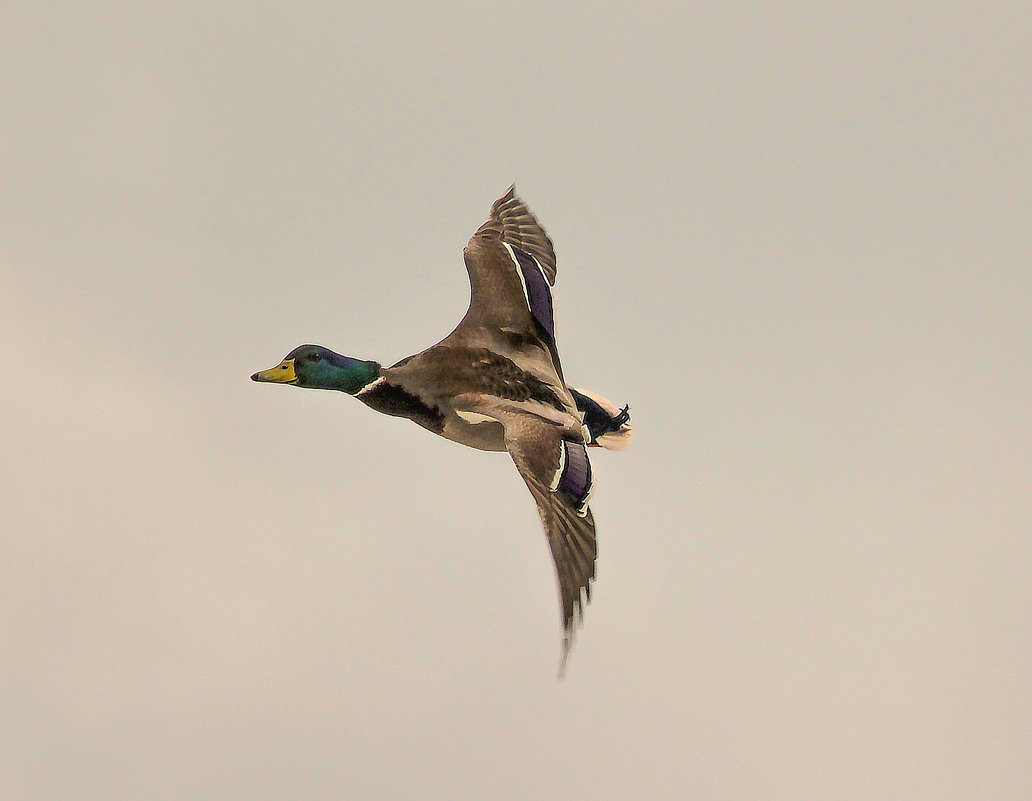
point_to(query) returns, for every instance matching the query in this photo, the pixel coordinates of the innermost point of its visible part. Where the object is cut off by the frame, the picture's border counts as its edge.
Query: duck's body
(495, 383)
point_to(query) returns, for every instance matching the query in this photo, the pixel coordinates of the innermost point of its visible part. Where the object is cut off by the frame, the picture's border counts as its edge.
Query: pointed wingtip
(567, 645)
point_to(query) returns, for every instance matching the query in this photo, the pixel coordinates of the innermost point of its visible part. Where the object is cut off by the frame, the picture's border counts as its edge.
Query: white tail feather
(617, 440)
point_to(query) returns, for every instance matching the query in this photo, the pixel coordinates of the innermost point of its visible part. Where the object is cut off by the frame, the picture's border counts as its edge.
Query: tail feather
(609, 426)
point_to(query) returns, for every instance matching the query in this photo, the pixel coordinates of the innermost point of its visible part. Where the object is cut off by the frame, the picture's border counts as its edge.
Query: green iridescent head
(316, 367)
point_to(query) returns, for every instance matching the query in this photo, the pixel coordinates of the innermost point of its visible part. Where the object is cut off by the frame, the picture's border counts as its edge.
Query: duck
(496, 383)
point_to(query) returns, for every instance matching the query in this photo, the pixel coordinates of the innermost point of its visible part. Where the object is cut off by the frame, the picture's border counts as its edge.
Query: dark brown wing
(558, 474)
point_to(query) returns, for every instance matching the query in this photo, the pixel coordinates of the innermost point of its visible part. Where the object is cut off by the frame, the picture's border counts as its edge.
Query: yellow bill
(282, 373)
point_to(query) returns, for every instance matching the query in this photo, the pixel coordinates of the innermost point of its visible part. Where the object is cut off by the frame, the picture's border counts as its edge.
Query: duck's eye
(314, 357)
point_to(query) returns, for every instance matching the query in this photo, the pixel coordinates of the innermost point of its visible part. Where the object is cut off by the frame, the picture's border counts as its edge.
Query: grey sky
(795, 238)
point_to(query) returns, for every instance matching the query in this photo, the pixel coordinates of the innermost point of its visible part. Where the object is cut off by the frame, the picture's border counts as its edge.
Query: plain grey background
(793, 236)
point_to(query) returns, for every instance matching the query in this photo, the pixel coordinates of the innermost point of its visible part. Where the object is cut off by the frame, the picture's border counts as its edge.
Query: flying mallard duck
(495, 383)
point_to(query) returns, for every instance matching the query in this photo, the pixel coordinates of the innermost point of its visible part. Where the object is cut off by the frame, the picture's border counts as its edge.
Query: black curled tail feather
(623, 417)
(608, 426)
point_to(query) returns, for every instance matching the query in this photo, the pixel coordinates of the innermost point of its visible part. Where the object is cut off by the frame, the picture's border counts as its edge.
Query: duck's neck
(346, 374)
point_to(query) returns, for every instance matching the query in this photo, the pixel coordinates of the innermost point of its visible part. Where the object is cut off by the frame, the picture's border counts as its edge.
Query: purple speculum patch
(576, 477)
(539, 296)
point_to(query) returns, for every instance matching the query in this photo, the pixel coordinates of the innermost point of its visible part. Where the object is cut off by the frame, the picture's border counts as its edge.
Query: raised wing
(558, 473)
(513, 223)
(511, 266)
